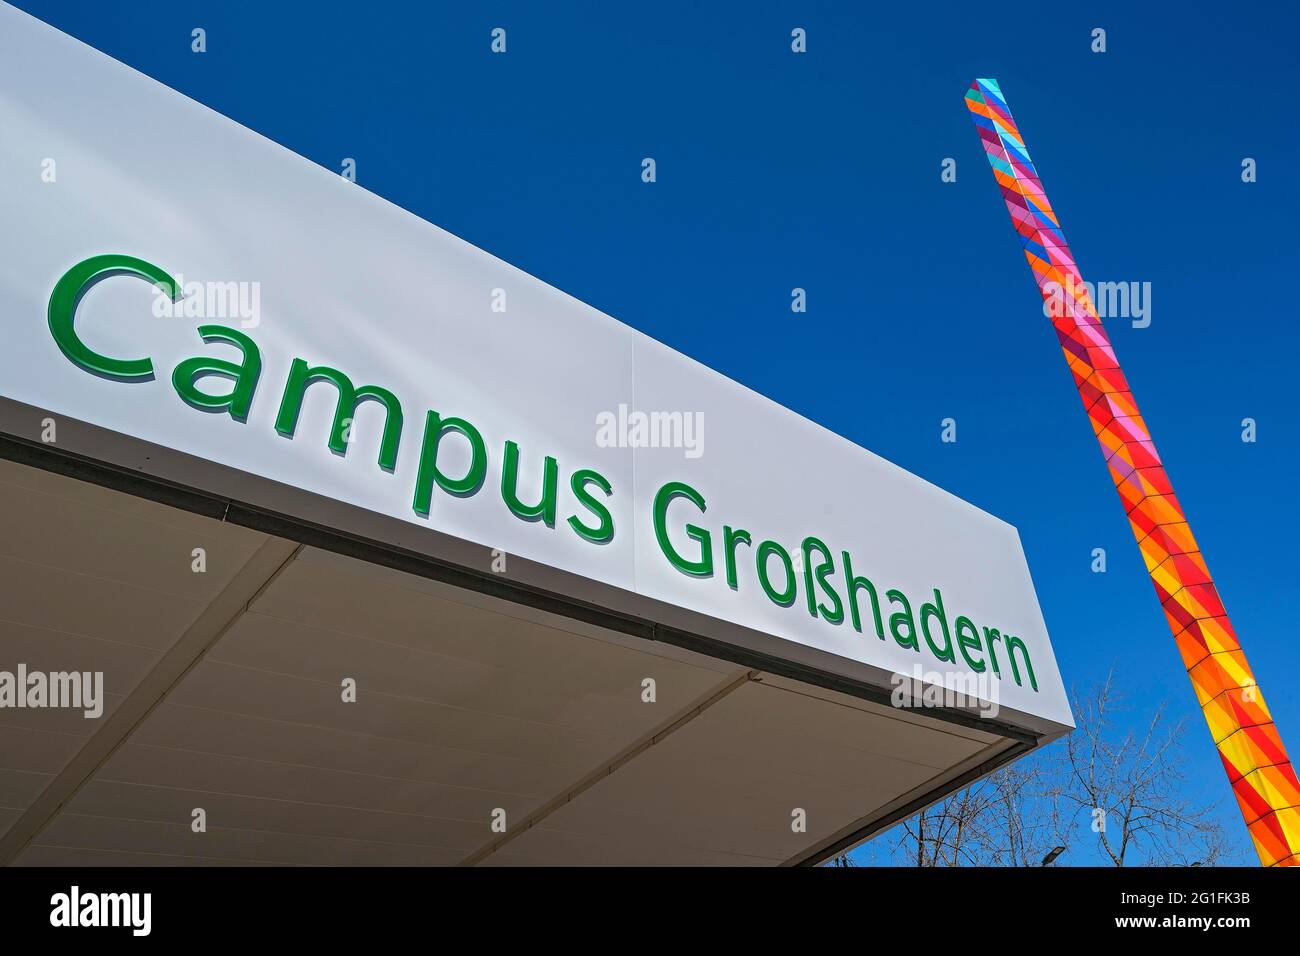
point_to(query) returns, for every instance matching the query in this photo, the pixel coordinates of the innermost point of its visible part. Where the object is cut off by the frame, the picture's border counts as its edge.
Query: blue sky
(822, 171)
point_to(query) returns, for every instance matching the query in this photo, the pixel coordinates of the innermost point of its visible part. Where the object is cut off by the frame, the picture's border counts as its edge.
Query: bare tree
(1022, 824)
(1002, 820)
(1127, 785)
(1121, 788)
(944, 834)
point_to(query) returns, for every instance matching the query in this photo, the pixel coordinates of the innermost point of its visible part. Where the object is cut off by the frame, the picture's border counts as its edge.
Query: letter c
(63, 310)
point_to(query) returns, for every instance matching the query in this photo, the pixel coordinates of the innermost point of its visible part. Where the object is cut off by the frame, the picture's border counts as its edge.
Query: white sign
(185, 281)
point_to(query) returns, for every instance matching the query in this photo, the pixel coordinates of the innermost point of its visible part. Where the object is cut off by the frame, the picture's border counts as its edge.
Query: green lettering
(677, 489)
(245, 375)
(854, 584)
(766, 550)
(544, 509)
(63, 310)
(898, 618)
(1012, 642)
(990, 635)
(835, 613)
(605, 530)
(435, 426)
(301, 375)
(968, 636)
(731, 538)
(936, 610)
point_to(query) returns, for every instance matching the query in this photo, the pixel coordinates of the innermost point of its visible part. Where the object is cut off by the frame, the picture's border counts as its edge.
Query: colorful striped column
(1247, 739)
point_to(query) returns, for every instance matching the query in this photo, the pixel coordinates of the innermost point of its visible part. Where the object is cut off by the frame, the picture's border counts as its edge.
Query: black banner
(1052, 906)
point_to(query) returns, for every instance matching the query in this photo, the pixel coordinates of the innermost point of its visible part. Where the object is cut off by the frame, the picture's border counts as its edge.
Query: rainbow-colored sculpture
(1251, 749)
